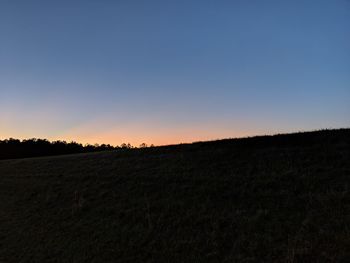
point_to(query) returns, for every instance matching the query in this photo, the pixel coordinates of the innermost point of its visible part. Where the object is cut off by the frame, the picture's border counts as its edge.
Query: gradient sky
(166, 72)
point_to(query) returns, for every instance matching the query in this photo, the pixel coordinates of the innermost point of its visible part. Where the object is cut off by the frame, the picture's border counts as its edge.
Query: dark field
(265, 199)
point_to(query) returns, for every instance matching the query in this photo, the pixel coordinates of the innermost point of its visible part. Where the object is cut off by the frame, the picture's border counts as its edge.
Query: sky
(166, 72)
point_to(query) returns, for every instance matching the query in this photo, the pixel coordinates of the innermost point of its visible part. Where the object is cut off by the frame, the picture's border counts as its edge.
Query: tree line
(14, 148)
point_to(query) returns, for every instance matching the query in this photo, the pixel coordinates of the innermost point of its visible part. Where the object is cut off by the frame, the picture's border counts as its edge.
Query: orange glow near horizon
(50, 125)
(117, 139)
(137, 136)
(156, 134)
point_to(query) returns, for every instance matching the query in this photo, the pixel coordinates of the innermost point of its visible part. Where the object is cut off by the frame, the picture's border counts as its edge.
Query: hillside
(282, 198)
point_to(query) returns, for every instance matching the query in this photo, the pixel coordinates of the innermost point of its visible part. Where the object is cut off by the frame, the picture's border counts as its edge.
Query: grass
(283, 198)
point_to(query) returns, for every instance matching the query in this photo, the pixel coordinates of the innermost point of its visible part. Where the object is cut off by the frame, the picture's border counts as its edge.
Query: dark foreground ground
(266, 199)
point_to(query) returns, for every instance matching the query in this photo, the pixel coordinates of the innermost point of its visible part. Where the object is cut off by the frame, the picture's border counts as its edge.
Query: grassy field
(283, 198)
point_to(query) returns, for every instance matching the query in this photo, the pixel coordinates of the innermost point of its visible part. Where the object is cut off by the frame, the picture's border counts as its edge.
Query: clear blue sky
(172, 71)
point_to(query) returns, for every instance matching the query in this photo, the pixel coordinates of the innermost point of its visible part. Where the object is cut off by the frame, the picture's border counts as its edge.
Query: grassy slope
(269, 199)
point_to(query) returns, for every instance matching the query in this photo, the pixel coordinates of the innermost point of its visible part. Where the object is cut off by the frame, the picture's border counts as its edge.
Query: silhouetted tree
(125, 146)
(14, 148)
